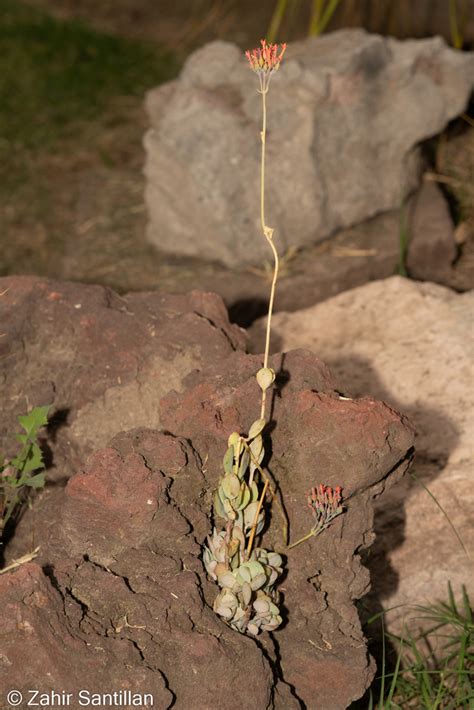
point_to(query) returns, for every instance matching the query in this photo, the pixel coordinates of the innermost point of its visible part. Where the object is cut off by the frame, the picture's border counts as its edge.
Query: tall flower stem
(268, 234)
(264, 62)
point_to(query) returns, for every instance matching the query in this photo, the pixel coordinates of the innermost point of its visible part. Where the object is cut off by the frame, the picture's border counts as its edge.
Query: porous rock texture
(117, 596)
(411, 345)
(347, 112)
(317, 437)
(101, 360)
(124, 558)
(42, 650)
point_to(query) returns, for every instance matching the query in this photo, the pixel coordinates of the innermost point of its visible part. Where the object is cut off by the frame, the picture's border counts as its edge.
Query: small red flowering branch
(325, 504)
(264, 61)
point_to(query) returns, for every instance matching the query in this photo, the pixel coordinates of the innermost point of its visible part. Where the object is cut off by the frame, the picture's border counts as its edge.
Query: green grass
(430, 666)
(434, 664)
(56, 74)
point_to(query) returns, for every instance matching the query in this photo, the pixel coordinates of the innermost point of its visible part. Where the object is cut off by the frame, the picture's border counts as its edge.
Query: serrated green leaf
(36, 481)
(29, 460)
(32, 422)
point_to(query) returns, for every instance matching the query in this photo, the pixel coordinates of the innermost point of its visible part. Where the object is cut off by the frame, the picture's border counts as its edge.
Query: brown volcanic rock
(121, 543)
(318, 437)
(100, 359)
(125, 558)
(40, 650)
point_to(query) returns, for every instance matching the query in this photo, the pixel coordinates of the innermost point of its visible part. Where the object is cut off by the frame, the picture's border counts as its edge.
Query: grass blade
(420, 483)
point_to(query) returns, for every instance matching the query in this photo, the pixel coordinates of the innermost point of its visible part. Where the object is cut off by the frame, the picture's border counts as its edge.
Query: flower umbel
(325, 503)
(265, 60)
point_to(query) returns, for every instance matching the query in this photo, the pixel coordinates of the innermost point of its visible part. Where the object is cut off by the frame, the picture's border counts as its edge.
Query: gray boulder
(347, 112)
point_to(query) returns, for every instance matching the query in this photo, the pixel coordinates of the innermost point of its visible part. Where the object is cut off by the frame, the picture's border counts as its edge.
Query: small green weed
(434, 665)
(24, 471)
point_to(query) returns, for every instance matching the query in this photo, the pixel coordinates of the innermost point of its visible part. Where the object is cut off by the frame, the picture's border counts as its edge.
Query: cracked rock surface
(118, 596)
(362, 445)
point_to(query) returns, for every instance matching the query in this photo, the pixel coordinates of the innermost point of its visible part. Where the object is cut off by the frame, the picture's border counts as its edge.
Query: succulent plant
(272, 563)
(247, 575)
(248, 600)
(267, 616)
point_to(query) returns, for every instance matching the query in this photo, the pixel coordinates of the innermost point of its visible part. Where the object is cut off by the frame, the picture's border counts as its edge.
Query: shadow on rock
(358, 377)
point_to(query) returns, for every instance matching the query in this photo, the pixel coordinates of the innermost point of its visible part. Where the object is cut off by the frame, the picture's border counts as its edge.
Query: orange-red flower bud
(265, 60)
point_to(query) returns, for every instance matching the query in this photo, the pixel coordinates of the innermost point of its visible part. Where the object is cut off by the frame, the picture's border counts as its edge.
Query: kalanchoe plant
(247, 575)
(23, 472)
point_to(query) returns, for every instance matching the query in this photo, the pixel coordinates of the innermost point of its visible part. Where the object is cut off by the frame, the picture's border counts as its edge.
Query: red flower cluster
(265, 61)
(325, 503)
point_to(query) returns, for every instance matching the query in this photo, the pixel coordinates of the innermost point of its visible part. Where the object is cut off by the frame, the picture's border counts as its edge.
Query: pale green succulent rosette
(247, 601)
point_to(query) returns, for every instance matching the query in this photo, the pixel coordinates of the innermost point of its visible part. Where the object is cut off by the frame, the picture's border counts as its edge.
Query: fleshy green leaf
(257, 452)
(229, 460)
(244, 497)
(244, 462)
(230, 484)
(265, 377)
(256, 428)
(218, 507)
